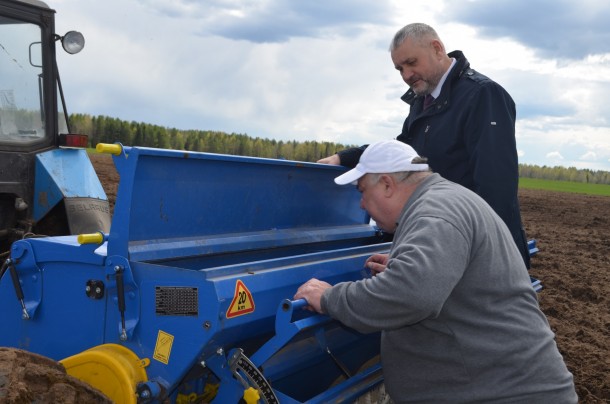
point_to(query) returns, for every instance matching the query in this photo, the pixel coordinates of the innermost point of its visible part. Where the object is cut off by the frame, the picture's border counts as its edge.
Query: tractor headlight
(73, 42)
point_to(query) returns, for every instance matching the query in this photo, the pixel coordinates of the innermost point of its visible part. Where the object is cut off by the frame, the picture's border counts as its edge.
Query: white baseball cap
(388, 156)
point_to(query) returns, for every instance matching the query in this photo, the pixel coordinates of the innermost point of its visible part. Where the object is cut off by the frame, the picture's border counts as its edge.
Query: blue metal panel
(60, 279)
(193, 201)
(63, 173)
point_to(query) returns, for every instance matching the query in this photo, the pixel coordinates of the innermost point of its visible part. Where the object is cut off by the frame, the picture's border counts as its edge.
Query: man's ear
(389, 184)
(438, 47)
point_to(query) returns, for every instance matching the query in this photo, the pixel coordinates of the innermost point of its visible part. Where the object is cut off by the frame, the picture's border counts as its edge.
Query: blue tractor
(47, 183)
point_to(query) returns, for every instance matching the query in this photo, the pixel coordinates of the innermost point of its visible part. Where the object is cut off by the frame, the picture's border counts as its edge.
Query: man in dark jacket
(460, 120)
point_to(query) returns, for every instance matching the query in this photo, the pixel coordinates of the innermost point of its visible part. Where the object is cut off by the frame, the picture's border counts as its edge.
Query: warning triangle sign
(242, 302)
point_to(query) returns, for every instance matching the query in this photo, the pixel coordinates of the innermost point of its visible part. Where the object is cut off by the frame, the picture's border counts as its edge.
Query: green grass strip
(565, 186)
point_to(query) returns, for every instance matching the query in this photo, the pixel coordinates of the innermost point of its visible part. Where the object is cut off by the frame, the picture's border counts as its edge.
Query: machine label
(242, 301)
(163, 347)
(176, 301)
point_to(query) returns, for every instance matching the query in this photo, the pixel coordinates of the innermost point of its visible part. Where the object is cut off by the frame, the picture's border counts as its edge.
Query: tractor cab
(47, 183)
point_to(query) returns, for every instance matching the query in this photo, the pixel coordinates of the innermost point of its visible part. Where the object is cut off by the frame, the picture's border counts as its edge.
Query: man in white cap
(458, 316)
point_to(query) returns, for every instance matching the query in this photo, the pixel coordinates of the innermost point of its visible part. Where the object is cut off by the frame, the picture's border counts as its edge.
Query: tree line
(564, 174)
(103, 129)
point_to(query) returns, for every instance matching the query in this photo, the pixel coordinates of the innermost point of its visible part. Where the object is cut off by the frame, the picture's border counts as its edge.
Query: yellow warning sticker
(242, 302)
(163, 347)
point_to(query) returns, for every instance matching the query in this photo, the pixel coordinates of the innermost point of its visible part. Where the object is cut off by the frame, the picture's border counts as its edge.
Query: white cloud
(554, 156)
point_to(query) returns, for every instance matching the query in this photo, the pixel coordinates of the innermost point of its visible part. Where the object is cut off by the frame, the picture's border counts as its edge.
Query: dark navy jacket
(468, 136)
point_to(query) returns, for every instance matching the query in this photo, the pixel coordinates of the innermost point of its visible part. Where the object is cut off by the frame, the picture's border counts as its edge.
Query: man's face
(374, 202)
(419, 64)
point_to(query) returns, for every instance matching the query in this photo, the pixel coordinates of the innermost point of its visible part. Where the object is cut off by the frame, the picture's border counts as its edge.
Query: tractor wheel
(26, 377)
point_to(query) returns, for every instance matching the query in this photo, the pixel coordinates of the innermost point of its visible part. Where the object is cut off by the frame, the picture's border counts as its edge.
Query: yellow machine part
(251, 396)
(112, 369)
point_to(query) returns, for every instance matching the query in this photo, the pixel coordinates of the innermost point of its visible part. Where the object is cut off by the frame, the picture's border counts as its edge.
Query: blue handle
(294, 304)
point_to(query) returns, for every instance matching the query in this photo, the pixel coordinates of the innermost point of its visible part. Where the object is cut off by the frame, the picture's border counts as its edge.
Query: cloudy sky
(321, 70)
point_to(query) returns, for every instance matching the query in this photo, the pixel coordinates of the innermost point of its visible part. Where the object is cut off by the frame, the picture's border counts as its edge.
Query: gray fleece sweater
(459, 317)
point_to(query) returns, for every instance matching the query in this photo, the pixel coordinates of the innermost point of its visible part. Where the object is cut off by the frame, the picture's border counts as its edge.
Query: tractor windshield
(22, 119)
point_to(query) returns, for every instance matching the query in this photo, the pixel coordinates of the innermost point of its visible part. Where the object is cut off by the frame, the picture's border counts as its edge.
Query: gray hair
(406, 176)
(417, 31)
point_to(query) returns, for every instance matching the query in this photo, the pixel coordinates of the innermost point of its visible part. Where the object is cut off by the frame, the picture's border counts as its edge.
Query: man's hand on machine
(312, 291)
(376, 263)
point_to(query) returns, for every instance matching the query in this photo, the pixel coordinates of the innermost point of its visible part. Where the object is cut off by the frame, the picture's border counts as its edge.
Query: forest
(102, 129)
